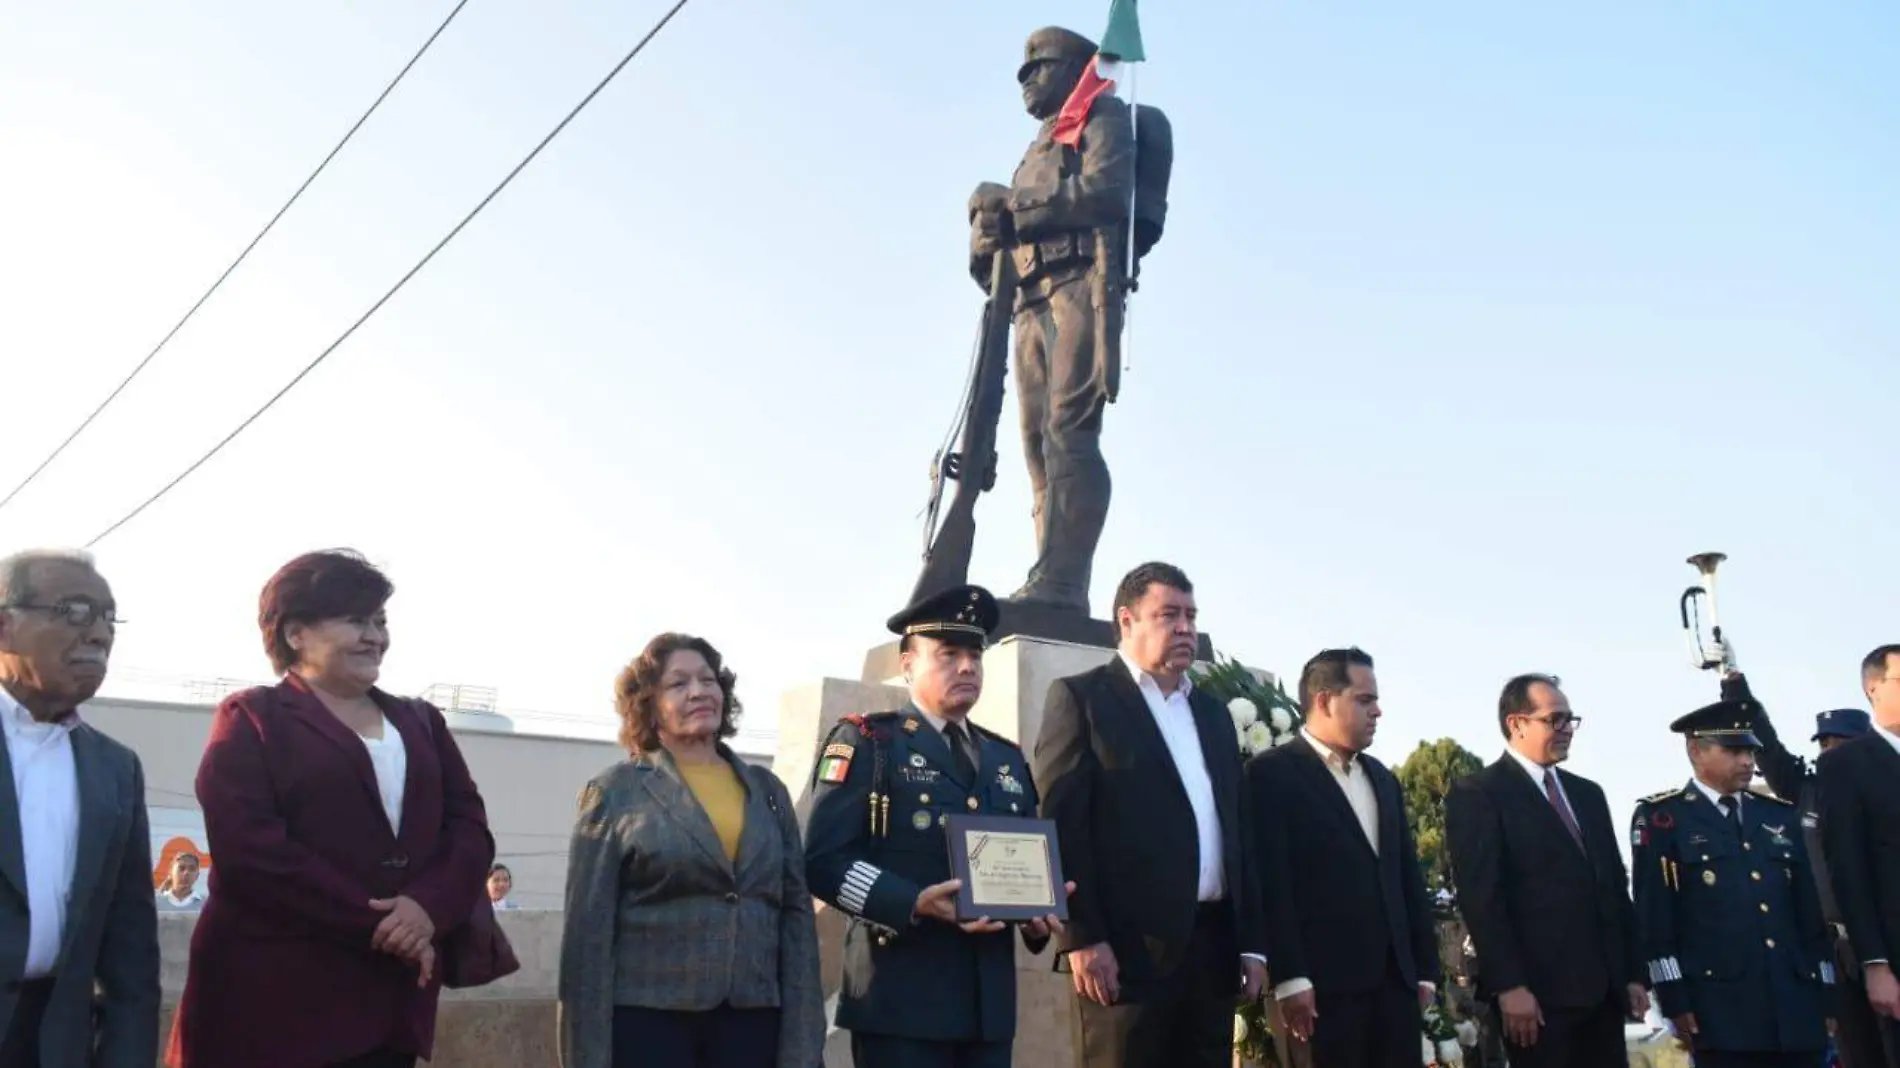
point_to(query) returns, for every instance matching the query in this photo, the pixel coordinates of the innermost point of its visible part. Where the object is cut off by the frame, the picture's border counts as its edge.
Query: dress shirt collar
(940, 722)
(1715, 795)
(17, 719)
(1892, 738)
(1333, 758)
(1535, 770)
(1145, 681)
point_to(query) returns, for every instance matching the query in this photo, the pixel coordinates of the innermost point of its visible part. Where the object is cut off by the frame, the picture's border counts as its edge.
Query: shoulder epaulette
(863, 723)
(1663, 795)
(1773, 799)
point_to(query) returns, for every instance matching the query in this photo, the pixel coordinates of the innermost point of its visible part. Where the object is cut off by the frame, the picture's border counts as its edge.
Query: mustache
(89, 655)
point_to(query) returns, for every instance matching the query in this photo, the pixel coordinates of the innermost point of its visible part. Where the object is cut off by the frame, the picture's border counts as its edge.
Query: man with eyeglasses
(1860, 825)
(1543, 890)
(78, 922)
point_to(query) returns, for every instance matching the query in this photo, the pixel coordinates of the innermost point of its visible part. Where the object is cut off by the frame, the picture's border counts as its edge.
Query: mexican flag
(1120, 48)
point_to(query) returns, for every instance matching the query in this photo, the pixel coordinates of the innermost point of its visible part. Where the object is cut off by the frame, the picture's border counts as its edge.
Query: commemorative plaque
(1010, 866)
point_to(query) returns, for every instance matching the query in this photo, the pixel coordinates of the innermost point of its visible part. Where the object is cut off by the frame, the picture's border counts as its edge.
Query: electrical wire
(638, 47)
(228, 271)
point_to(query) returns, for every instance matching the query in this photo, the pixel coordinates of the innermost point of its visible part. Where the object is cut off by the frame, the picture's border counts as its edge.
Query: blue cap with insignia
(1728, 723)
(1842, 723)
(960, 615)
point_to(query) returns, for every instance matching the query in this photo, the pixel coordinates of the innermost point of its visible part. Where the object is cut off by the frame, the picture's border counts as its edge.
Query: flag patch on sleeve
(836, 764)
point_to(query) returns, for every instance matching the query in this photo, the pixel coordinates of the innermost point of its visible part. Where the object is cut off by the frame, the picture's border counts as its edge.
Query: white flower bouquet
(1264, 714)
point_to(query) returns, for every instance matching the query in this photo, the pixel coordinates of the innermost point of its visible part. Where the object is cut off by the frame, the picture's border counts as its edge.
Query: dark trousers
(381, 1058)
(1857, 1033)
(1574, 1038)
(1184, 1021)
(891, 1051)
(1062, 397)
(723, 1037)
(1714, 1058)
(1380, 1028)
(21, 1047)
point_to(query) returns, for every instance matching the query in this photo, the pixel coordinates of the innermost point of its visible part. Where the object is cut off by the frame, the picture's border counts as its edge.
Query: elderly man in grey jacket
(78, 924)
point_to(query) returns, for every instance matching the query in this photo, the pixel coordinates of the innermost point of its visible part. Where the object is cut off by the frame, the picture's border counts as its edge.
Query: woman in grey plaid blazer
(689, 939)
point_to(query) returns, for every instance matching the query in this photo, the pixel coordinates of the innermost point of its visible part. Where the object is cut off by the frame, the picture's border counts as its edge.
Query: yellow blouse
(722, 795)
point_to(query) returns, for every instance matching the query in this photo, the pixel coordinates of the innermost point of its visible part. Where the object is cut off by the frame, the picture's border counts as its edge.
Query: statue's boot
(1070, 521)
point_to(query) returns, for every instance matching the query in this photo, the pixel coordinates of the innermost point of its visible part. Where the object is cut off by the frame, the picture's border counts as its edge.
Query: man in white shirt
(183, 890)
(78, 925)
(1141, 774)
(1350, 939)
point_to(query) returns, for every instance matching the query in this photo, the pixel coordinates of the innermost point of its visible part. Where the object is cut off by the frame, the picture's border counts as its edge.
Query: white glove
(1725, 654)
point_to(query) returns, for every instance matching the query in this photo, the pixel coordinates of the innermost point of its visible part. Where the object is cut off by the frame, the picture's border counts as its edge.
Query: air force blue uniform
(1729, 918)
(922, 994)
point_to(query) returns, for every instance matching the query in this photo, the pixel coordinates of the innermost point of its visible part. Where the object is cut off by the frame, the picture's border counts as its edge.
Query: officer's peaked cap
(1729, 723)
(964, 615)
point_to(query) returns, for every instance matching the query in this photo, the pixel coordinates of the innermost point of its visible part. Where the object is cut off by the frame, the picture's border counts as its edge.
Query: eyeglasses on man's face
(75, 612)
(1564, 722)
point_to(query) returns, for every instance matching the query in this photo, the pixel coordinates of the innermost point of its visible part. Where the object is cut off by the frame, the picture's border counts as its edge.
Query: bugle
(1710, 653)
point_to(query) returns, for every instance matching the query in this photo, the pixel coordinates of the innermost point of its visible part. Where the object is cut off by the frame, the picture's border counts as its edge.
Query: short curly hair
(637, 691)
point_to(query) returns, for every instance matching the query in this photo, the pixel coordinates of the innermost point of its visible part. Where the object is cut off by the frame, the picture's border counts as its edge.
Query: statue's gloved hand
(990, 198)
(991, 229)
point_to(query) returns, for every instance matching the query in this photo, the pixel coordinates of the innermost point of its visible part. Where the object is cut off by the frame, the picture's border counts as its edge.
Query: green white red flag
(1120, 48)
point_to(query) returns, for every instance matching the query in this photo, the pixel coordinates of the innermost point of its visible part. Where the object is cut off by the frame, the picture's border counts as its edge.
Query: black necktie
(1732, 811)
(960, 750)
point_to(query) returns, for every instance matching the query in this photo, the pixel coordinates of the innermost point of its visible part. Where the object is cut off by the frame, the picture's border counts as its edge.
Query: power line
(228, 271)
(638, 47)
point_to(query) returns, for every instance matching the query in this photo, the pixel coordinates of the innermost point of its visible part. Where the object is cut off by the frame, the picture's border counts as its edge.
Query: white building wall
(528, 781)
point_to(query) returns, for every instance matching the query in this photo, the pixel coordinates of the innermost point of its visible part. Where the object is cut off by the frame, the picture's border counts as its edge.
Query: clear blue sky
(1470, 325)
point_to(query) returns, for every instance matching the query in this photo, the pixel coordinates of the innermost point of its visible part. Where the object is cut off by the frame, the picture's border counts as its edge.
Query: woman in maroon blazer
(349, 840)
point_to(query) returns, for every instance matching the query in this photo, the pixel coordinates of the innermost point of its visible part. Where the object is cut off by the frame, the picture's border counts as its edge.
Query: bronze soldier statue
(1063, 220)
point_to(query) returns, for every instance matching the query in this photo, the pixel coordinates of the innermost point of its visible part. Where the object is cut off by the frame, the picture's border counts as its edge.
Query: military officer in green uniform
(1726, 907)
(920, 989)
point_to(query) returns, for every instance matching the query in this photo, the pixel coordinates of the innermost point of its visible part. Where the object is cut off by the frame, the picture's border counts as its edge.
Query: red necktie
(1563, 810)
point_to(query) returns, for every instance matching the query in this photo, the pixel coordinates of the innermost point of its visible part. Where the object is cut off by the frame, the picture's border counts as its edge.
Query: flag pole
(1134, 184)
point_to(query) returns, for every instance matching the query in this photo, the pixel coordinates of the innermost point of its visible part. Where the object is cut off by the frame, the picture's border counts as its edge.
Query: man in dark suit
(1860, 826)
(1141, 774)
(1726, 907)
(1543, 890)
(78, 920)
(921, 989)
(1350, 939)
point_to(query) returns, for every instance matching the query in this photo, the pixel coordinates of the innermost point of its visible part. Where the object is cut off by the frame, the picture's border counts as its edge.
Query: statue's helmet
(1054, 44)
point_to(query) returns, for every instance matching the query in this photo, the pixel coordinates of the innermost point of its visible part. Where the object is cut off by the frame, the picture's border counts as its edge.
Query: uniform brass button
(1755, 875)
(1012, 806)
(1708, 973)
(972, 803)
(1770, 942)
(1764, 906)
(1745, 845)
(923, 799)
(883, 940)
(732, 899)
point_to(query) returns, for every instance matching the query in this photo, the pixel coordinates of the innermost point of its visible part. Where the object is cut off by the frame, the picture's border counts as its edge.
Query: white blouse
(391, 761)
